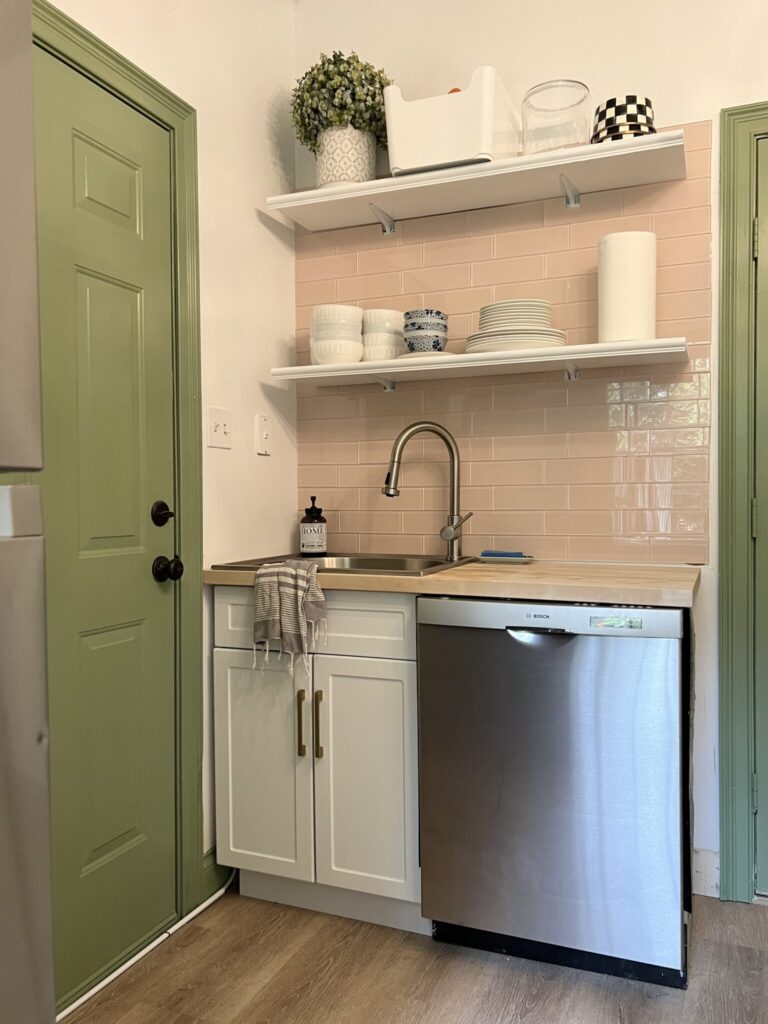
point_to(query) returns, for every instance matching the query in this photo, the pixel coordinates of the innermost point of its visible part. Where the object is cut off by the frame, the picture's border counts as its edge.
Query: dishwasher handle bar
(539, 636)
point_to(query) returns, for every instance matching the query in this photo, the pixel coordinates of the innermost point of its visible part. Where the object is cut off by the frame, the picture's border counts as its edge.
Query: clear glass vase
(556, 115)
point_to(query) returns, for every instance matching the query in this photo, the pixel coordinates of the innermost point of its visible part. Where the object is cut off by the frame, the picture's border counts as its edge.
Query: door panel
(366, 806)
(107, 184)
(264, 816)
(761, 543)
(110, 357)
(104, 223)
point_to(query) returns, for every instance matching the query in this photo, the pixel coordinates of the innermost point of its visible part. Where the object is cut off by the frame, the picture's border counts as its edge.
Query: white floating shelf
(569, 173)
(569, 358)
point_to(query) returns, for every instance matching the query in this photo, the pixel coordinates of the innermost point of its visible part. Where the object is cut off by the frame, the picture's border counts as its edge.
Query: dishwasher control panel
(596, 620)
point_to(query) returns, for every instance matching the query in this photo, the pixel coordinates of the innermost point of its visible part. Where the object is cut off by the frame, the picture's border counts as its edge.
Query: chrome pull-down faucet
(451, 532)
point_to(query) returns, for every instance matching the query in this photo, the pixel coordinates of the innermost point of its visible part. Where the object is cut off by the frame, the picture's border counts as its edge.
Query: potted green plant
(338, 113)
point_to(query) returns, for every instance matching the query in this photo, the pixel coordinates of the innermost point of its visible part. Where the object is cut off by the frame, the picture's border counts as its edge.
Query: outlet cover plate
(219, 427)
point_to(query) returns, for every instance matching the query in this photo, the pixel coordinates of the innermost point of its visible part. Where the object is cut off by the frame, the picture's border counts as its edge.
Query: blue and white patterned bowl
(430, 326)
(426, 314)
(425, 342)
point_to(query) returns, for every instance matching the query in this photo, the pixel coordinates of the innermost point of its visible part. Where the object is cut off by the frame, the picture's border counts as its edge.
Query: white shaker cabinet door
(366, 779)
(264, 818)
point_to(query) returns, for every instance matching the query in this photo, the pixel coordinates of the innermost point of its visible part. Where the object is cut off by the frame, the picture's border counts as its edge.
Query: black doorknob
(164, 568)
(160, 513)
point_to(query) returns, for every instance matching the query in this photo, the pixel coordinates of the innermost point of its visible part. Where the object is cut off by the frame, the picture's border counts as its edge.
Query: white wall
(233, 62)
(691, 58)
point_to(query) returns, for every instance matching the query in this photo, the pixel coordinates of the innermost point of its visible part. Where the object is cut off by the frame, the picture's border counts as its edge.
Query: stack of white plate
(515, 324)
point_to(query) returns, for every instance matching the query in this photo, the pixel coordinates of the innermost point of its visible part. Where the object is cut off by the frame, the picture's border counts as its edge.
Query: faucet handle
(452, 530)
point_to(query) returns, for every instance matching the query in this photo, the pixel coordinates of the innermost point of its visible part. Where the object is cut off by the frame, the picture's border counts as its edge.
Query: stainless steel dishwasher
(552, 781)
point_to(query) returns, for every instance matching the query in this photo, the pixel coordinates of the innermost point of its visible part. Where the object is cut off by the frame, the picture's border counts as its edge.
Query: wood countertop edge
(658, 586)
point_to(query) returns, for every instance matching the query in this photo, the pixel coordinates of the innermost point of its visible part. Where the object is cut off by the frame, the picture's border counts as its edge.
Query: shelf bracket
(388, 385)
(388, 224)
(571, 194)
(572, 373)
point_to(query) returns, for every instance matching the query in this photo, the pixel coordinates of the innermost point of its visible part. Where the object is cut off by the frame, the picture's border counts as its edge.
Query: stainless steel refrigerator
(26, 945)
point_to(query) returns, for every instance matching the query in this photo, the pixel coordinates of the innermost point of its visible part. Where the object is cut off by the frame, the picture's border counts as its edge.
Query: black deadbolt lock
(167, 568)
(160, 513)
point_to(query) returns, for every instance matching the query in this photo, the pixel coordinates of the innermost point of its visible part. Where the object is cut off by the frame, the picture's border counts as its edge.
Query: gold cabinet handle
(301, 696)
(318, 747)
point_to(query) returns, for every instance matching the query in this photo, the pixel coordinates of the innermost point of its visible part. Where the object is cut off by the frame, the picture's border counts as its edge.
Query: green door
(761, 542)
(104, 209)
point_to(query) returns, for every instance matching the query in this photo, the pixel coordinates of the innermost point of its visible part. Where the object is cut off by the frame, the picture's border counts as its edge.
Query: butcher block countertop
(661, 586)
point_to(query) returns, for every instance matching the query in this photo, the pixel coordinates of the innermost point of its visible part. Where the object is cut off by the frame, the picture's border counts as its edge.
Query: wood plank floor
(244, 961)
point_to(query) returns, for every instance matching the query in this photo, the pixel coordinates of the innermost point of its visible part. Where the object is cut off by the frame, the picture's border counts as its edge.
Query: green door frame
(740, 130)
(198, 875)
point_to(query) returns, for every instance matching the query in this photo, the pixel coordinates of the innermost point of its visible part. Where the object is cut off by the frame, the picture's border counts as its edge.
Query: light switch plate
(219, 427)
(263, 434)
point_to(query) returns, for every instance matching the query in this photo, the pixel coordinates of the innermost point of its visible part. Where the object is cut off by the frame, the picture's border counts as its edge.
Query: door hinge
(754, 793)
(753, 517)
(755, 237)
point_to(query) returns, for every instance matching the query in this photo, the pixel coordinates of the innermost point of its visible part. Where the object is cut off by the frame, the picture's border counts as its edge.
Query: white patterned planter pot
(345, 155)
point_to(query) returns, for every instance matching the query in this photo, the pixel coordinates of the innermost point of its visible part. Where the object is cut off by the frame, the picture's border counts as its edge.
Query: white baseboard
(326, 899)
(705, 870)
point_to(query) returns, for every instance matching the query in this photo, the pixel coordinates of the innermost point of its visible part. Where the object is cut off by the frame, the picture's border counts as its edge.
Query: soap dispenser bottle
(313, 530)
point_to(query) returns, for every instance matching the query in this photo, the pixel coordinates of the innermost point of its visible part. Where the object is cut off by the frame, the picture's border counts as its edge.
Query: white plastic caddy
(478, 124)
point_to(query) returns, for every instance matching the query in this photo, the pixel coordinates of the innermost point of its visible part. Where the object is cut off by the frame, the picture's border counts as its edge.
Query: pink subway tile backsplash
(318, 243)
(552, 291)
(475, 498)
(372, 498)
(312, 293)
(499, 219)
(507, 522)
(430, 474)
(540, 497)
(534, 240)
(577, 523)
(324, 267)
(507, 472)
(431, 229)
(685, 249)
(614, 496)
(459, 399)
(570, 262)
(379, 261)
(531, 446)
(674, 223)
(465, 300)
(428, 279)
(698, 163)
(583, 471)
(609, 549)
(686, 277)
(589, 233)
(613, 467)
(594, 206)
(698, 135)
(680, 305)
(517, 268)
(458, 250)
(677, 195)
(369, 286)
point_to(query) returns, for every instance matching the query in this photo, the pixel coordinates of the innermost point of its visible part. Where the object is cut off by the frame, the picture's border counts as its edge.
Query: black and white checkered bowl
(620, 110)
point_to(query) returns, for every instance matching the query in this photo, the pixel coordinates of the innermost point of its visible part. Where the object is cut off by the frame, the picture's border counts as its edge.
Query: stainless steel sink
(373, 565)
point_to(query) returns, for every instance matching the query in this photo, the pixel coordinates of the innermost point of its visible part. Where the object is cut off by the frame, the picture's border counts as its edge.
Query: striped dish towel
(290, 610)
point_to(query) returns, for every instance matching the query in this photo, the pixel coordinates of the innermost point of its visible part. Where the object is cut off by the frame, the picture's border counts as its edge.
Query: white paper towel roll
(626, 286)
